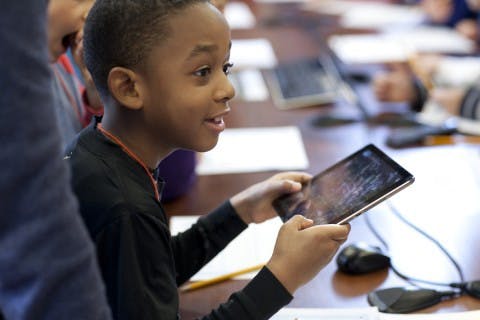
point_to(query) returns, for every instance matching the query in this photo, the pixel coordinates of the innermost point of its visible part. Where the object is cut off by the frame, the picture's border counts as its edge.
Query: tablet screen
(348, 188)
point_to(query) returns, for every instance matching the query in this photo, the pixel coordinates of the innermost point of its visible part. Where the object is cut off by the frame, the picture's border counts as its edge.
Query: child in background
(161, 68)
(75, 104)
(402, 84)
(457, 14)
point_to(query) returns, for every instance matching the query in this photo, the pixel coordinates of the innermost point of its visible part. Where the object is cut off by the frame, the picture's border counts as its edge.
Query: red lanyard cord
(133, 156)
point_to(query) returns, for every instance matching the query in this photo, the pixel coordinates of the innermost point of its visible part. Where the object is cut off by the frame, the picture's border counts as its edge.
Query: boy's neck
(136, 140)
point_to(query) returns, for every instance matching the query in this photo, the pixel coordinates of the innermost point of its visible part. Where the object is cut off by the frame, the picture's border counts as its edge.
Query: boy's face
(187, 89)
(65, 20)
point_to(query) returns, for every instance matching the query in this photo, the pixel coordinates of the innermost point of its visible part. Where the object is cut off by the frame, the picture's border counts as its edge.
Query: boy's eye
(203, 72)
(227, 67)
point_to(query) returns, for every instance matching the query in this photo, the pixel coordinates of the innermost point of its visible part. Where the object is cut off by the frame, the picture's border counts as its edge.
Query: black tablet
(346, 189)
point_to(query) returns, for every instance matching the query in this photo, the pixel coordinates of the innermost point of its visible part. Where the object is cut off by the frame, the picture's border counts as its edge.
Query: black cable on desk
(436, 242)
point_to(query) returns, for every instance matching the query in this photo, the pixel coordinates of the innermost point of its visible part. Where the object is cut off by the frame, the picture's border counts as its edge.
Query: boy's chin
(206, 147)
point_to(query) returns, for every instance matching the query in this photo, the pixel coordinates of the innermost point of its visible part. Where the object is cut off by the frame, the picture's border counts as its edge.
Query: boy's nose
(226, 91)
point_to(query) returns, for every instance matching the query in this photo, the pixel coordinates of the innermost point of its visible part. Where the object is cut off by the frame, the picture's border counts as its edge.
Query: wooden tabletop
(443, 201)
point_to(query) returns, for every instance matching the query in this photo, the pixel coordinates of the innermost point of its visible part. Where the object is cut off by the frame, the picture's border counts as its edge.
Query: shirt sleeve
(47, 262)
(470, 107)
(260, 299)
(195, 247)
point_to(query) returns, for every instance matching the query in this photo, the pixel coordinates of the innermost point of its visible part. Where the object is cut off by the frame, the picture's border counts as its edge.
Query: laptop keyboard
(301, 83)
(301, 78)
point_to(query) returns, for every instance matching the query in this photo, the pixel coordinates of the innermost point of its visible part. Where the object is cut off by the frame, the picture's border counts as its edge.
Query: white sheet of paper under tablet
(242, 150)
(252, 247)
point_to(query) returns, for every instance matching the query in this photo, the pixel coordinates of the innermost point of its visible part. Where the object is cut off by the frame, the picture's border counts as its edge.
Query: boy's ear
(124, 87)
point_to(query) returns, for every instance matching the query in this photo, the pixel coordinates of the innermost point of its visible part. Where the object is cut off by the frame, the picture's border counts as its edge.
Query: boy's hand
(255, 203)
(394, 86)
(302, 250)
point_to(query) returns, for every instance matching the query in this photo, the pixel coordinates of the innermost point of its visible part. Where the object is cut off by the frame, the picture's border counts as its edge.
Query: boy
(161, 69)
(76, 105)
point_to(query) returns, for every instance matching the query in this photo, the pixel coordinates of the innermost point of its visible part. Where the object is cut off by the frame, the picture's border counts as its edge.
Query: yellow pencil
(228, 276)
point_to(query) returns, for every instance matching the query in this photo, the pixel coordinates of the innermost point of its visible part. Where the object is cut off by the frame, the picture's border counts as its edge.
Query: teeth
(217, 119)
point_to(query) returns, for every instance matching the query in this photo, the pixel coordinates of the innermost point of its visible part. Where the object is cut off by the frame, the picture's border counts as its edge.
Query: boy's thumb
(300, 222)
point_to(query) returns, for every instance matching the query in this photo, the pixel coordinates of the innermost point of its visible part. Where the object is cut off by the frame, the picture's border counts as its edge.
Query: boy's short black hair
(121, 33)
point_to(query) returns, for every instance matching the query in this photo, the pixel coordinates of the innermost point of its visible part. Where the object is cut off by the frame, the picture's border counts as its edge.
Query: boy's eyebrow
(204, 48)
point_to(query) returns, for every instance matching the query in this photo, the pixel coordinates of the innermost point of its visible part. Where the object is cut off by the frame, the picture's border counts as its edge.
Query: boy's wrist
(241, 208)
(282, 276)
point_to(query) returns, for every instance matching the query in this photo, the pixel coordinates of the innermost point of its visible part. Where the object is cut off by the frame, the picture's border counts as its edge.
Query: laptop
(303, 83)
(327, 80)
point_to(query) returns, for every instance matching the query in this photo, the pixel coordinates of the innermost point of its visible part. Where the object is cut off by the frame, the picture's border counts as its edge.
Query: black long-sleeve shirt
(142, 264)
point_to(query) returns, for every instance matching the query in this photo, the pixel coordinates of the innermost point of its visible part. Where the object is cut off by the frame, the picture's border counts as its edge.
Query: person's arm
(470, 105)
(196, 246)
(199, 244)
(47, 262)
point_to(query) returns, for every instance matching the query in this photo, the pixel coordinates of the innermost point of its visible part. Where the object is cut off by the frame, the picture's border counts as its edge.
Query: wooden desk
(425, 204)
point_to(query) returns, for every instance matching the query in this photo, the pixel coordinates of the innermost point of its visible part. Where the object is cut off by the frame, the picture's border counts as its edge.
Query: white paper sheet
(369, 313)
(255, 149)
(457, 71)
(398, 46)
(252, 53)
(381, 16)
(239, 15)
(252, 247)
(371, 48)
(467, 315)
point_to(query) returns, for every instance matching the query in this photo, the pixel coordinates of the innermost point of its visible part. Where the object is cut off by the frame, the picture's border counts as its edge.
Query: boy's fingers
(339, 232)
(301, 177)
